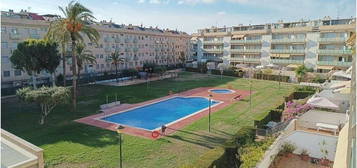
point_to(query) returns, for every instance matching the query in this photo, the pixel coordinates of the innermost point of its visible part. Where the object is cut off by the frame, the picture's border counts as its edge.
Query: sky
(191, 15)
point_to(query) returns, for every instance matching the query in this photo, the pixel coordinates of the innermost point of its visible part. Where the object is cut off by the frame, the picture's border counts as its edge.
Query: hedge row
(228, 72)
(273, 115)
(271, 77)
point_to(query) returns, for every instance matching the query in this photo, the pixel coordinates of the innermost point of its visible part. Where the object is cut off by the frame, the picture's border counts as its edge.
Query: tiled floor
(293, 162)
(227, 99)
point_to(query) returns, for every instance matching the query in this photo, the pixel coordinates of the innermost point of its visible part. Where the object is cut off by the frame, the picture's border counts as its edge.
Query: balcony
(35, 36)
(245, 50)
(157, 49)
(213, 50)
(287, 61)
(135, 49)
(288, 51)
(334, 52)
(107, 39)
(135, 41)
(127, 49)
(287, 40)
(246, 41)
(333, 40)
(14, 36)
(213, 42)
(107, 49)
(127, 40)
(117, 40)
(335, 63)
(212, 58)
(240, 59)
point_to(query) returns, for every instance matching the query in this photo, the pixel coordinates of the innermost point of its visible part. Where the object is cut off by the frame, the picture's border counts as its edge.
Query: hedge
(228, 72)
(272, 77)
(273, 115)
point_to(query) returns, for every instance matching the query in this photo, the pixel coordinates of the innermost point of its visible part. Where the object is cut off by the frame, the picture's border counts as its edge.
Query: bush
(129, 72)
(251, 154)
(273, 115)
(318, 79)
(287, 148)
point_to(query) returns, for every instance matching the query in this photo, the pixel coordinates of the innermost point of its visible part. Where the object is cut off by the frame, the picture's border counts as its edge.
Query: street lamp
(119, 131)
(209, 113)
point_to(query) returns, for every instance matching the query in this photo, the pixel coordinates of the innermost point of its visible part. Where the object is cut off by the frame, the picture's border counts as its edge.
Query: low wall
(38, 152)
(274, 149)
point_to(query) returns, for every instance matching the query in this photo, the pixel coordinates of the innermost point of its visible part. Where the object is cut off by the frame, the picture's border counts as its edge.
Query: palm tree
(116, 59)
(83, 57)
(76, 22)
(58, 32)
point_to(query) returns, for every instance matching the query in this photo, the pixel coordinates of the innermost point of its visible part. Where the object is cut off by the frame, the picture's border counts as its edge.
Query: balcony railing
(245, 59)
(286, 40)
(117, 40)
(334, 52)
(246, 50)
(107, 39)
(287, 61)
(127, 40)
(135, 49)
(35, 36)
(107, 49)
(213, 58)
(246, 41)
(335, 63)
(213, 42)
(216, 50)
(288, 51)
(329, 40)
(135, 40)
(127, 49)
(14, 36)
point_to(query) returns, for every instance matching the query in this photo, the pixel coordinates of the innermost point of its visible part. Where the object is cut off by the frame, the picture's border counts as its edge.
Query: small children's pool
(153, 116)
(221, 91)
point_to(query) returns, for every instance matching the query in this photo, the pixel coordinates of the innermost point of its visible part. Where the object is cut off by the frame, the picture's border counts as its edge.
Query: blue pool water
(161, 113)
(221, 91)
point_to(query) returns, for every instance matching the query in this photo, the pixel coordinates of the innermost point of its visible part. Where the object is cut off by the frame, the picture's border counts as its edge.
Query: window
(5, 59)
(102, 65)
(17, 72)
(3, 29)
(97, 66)
(4, 45)
(14, 31)
(6, 73)
(101, 55)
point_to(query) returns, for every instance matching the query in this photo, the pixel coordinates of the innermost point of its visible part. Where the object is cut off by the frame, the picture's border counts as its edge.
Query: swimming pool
(153, 116)
(221, 91)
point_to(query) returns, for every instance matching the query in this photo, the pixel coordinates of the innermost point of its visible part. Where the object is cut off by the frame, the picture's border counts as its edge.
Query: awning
(238, 36)
(293, 66)
(322, 102)
(194, 38)
(284, 55)
(325, 67)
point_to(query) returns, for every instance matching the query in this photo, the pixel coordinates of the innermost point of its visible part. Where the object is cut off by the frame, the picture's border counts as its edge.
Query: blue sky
(190, 15)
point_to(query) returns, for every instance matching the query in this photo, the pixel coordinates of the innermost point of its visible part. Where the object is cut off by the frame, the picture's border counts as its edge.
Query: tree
(33, 56)
(47, 97)
(49, 58)
(301, 71)
(116, 59)
(76, 22)
(57, 32)
(182, 58)
(84, 57)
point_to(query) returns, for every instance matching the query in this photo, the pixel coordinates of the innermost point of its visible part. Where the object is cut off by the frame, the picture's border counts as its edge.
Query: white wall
(310, 142)
(312, 46)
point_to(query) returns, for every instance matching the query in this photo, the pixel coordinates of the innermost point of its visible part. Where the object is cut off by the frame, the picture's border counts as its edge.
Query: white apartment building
(318, 44)
(136, 44)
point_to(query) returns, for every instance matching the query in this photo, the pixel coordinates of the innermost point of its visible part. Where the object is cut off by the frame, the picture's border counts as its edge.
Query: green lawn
(70, 144)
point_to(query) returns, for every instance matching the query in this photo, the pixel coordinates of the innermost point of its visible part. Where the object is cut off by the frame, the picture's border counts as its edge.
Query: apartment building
(136, 44)
(318, 44)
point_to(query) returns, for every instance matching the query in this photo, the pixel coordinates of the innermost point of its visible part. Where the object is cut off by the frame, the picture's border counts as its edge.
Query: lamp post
(209, 113)
(119, 128)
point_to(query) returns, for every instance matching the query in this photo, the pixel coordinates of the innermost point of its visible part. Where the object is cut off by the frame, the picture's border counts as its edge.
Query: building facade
(136, 44)
(318, 44)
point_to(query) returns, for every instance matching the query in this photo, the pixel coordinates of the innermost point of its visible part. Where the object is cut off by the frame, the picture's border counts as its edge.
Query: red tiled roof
(35, 16)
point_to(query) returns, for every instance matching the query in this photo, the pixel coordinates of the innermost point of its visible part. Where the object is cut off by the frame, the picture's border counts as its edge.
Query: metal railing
(213, 50)
(245, 59)
(336, 39)
(334, 52)
(213, 42)
(269, 131)
(246, 41)
(246, 50)
(335, 63)
(287, 61)
(287, 40)
(288, 51)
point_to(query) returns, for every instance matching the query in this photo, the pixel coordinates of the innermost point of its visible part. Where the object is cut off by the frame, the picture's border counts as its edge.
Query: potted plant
(287, 149)
(304, 155)
(324, 161)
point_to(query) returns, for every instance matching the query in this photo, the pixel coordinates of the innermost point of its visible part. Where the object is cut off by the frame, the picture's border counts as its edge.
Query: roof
(320, 116)
(342, 74)
(322, 102)
(329, 94)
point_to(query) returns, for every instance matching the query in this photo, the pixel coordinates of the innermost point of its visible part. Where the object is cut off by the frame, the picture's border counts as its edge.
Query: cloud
(221, 13)
(141, 1)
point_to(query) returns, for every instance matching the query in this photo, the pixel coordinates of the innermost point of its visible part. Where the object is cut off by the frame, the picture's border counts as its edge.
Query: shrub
(318, 79)
(129, 72)
(252, 153)
(287, 148)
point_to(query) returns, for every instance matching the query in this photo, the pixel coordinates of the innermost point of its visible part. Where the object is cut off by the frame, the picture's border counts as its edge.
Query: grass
(70, 144)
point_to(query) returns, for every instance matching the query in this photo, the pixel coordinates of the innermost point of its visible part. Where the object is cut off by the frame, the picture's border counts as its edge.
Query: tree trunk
(64, 63)
(74, 73)
(116, 72)
(54, 79)
(34, 80)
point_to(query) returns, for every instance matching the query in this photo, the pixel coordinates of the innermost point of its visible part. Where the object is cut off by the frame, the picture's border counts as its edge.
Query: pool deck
(226, 100)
